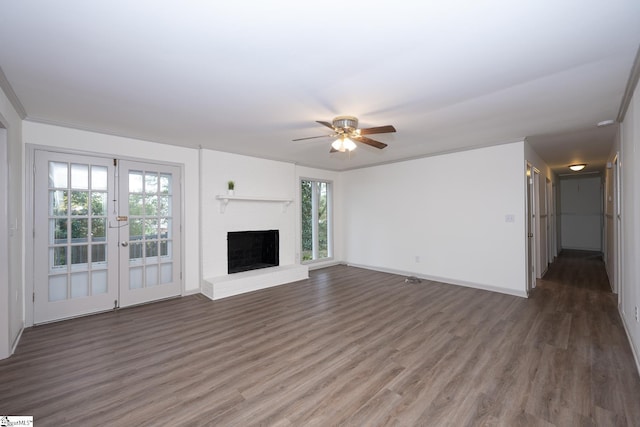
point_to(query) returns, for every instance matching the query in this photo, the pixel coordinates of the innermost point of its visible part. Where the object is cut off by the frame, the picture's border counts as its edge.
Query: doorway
(106, 234)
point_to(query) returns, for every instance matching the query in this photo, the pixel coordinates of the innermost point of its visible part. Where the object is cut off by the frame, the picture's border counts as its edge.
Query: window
(316, 220)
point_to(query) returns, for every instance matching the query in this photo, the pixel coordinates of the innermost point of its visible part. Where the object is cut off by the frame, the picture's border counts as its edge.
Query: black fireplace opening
(251, 250)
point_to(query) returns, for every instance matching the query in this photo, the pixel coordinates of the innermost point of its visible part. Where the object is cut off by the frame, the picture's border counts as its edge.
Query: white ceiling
(248, 77)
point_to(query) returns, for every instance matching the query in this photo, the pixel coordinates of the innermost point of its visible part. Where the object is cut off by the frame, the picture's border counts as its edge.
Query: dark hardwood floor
(346, 347)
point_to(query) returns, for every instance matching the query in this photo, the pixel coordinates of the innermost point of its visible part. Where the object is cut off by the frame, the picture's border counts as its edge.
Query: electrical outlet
(418, 260)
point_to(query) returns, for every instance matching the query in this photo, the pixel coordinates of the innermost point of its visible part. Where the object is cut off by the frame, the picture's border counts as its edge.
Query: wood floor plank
(346, 347)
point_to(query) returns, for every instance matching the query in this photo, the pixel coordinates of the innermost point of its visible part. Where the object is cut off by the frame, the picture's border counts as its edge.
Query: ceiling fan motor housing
(345, 122)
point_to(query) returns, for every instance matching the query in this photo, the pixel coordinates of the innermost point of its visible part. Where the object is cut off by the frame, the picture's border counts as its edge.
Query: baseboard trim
(191, 292)
(448, 281)
(633, 348)
(16, 341)
(318, 266)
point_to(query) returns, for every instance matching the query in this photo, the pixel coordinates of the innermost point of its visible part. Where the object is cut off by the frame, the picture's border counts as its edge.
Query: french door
(149, 256)
(106, 234)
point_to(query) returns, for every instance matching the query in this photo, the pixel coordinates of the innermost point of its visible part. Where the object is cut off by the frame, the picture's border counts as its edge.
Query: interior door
(150, 262)
(74, 247)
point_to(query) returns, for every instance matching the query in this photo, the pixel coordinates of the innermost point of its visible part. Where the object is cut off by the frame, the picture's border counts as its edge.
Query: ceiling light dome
(577, 167)
(343, 144)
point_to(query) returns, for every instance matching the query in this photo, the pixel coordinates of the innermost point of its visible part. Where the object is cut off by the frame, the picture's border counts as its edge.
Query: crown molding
(632, 82)
(11, 95)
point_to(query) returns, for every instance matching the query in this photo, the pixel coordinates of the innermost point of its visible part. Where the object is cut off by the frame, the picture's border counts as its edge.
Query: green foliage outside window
(308, 220)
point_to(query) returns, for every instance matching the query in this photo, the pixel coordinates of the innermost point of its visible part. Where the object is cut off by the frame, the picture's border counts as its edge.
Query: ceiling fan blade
(314, 137)
(369, 141)
(327, 124)
(378, 129)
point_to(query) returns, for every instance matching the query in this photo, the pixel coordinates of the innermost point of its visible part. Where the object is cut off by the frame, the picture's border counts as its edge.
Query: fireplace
(251, 250)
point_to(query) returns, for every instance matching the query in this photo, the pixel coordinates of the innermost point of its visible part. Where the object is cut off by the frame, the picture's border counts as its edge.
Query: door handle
(124, 244)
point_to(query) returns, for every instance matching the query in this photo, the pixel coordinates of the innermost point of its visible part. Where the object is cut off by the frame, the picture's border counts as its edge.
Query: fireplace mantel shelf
(225, 199)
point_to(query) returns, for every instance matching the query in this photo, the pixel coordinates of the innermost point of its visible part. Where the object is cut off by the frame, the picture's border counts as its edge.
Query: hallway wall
(630, 175)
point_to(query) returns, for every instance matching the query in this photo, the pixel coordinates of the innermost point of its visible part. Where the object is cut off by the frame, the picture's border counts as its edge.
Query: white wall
(630, 175)
(12, 280)
(90, 142)
(442, 217)
(581, 213)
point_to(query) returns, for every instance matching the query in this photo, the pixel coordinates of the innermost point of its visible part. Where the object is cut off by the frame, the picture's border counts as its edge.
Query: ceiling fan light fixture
(349, 144)
(343, 144)
(577, 167)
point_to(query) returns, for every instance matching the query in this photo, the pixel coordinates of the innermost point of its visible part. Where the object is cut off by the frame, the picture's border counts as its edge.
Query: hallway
(575, 295)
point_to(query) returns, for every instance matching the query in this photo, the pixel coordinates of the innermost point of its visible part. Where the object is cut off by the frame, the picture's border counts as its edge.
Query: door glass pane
(135, 182)
(58, 231)
(58, 287)
(80, 176)
(135, 278)
(152, 275)
(79, 285)
(165, 184)
(164, 205)
(136, 204)
(98, 203)
(58, 200)
(98, 229)
(98, 178)
(58, 175)
(151, 228)
(79, 257)
(136, 229)
(165, 228)
(79, 202)
(165, 248)
(151, 249)
(151, 205)
(135, 253)
(150, 183)
(99, 282)
(79, 230)
(166, 273)
(98, 254)
(58, 259)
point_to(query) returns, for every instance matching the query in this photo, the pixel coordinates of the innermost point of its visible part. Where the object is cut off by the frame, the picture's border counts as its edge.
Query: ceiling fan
(345, 129)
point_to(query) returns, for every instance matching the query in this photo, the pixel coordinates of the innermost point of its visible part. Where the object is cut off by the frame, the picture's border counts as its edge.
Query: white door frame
(5, 290)
(617, 227)
(530, 226)
(30, 150)
(550, 221)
